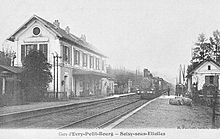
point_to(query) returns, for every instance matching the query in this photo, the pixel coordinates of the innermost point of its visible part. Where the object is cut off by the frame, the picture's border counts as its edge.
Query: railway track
(54, 117)
(105, 118)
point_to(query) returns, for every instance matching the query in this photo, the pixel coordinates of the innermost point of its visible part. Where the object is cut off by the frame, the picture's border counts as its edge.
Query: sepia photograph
(109, 69)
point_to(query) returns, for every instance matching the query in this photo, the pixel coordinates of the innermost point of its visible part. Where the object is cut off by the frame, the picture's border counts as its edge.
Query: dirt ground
(160, 114)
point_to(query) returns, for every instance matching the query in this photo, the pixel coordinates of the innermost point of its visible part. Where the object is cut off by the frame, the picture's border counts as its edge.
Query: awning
(12, 69)
(79, 72)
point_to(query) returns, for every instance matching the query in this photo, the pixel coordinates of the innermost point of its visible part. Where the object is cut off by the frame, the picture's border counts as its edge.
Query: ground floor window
(26, 48)
(209, 79)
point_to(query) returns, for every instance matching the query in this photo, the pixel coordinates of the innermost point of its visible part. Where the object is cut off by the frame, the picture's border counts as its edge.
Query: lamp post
(57, 57)
(54, 74)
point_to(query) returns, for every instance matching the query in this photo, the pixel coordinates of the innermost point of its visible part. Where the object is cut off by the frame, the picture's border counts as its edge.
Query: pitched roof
(16, 70)
(62, 34)
(201, 63)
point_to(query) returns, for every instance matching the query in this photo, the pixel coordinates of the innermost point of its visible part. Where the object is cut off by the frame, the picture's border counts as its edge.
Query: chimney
(56, 23)
(67, 29)
(83, 37)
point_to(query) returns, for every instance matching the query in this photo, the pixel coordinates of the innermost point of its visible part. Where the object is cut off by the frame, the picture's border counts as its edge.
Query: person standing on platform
(168, 91)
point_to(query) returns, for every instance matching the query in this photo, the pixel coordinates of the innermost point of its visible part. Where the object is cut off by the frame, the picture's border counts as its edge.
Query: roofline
(206, 60)
(23, 25)
(44, 22)
(79, 45)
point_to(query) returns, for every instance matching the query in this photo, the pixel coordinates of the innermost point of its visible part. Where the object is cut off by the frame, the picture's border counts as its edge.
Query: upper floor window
(97, 63)
(85, 60)
(66, 54)
(103, 65)
(91, 62)
(209, 67)
(76, 57)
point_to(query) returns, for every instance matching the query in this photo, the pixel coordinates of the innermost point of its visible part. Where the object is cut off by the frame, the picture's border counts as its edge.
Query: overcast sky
(135, 34)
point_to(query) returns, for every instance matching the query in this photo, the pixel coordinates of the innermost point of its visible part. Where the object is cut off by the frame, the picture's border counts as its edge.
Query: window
(97, 63)
(91, 62)
(211, 79)
(76, 57)
(209, 67)
(85, 60)
(36, 31)
(103, 65)
(66, 54)
(26, 48)
(44, 49)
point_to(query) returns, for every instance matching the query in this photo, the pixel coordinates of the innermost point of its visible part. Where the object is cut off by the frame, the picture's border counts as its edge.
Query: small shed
(206, 72)
(10, 85)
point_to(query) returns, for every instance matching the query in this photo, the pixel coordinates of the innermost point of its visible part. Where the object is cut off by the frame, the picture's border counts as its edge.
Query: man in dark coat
(168, 91)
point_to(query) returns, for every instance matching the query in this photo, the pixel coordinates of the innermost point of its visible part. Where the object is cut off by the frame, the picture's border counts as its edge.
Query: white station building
(81, 68)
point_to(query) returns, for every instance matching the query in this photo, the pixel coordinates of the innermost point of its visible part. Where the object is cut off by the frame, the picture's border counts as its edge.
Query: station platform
(42, 105)
(160, 114)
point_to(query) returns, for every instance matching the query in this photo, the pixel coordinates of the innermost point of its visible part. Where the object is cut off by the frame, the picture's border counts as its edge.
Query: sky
(135, 34)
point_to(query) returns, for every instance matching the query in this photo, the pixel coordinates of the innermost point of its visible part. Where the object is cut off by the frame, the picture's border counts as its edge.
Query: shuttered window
(66, 54)
(91, 62)
(103, 64)
(97, 63)
(85, 60)
(76, 57)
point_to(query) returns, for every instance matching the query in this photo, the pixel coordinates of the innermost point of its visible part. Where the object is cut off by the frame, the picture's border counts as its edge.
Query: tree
(203, 49)
(215, 42)
(36, 75)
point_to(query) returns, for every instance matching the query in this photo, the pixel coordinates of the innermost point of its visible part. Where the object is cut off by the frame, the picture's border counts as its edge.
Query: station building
(81, 67)
(206, 72)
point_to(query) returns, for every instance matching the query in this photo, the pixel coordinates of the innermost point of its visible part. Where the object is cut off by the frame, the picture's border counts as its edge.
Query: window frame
(36, 46)
(76, 57)
(91, 60)
(211, 79)
(85, 60)
(97, 63)
(103, 65)
(66, 54)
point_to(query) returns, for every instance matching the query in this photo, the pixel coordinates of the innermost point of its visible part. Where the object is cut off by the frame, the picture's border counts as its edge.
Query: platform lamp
(54, 78)
(57, 57)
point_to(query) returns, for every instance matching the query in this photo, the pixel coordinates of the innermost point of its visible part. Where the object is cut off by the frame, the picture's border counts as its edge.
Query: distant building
(82, 68)
(207, 72)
